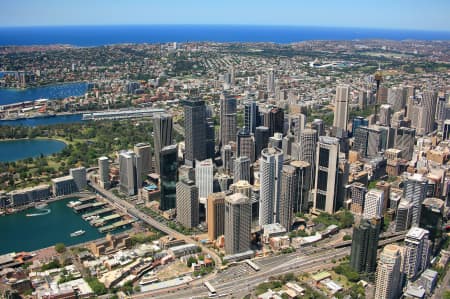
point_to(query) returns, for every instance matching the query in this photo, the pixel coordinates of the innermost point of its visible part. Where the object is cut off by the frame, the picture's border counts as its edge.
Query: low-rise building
(111, 243)
(28, 195)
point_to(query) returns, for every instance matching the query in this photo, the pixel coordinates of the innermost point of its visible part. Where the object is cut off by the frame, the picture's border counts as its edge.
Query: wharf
(97, 212)
(102, 221)
(115, 225)
(88, 206)
(87, 199)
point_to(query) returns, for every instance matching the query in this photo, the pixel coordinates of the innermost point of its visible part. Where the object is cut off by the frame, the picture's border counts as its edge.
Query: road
(129, 208)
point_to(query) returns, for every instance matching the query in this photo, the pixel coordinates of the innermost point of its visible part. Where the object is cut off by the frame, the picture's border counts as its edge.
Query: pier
(98, 212)
(102, 221)
(87, 199)
(115, 225)
(87, 206)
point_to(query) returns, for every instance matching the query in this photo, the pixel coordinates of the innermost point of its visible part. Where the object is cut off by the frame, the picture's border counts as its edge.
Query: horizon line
(224, 24)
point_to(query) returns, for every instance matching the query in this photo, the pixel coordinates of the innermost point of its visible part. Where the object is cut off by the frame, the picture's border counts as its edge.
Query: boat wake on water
(41, 213)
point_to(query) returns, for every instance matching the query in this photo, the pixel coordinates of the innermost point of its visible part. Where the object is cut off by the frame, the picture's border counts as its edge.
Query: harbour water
(21, 233)
(54, 91)
(13, 150)
(44, 121)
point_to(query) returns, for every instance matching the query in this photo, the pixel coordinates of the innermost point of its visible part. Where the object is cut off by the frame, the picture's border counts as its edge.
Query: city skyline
(378, 15)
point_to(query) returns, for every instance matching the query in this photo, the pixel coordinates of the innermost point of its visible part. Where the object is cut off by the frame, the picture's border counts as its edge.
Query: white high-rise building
(270, 169)
(387, 281)
(327, 155)
(415, 191)
(204, 177)
(103, 172)
(341, 103)
(271, 81)
(373, 204)
(242, 169)
(417, 252)
(129, 172)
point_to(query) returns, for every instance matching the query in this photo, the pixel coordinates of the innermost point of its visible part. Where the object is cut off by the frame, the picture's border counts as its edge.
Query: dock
(101, 221)
(97, 212)
(88, 206)
(115, 225)
(87, 199)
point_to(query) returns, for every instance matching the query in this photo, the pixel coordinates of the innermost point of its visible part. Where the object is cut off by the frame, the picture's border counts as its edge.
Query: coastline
(38, 86)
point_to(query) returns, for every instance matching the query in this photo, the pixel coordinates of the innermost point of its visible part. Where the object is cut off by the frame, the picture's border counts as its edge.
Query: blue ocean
(103, 35)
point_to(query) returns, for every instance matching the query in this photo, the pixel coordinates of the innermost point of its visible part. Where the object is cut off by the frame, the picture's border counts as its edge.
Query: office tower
(227, 159)
(318, 125)
(144, 151)
(289, 188)
(326, 179)
(375, 141)
(194, 127)
(297, 123)
(129, 172)
(168, 170)
(358, 191)
(429, 101)
(275, 121)
(396, 97)
(341, 102)
(308, 144)
(246, 144)
(446, 130)
(251, 116)
(204, 177)
(103, 172)
(362, 99)
(238, 219)
(228, 124)
(403, 216)
(357, 122)
(79, 177)
(387, 281)
(216, 215)
(440, 111)
(385, 115)
(417, 252)
(276, 141)
(242, 187)
(210, 141)
(187, 203)
(361, 140)
(415, 189)
(301, 197)
(270, 80)
(363, 256)
(431, 217)
(373, 204)
(287, 145)
(270, 168)
(404, 140)
(242, 169)
(163, 129)
(262, 136)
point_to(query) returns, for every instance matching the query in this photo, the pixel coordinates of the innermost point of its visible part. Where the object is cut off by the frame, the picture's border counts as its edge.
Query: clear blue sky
(395, 14)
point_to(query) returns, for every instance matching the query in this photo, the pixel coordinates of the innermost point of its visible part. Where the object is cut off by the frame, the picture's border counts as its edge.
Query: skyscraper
(318, 125)
(270, 169)
(404, 141)
(195, 131)
(246, 144)
(275, 121)
(103, 172)
(431, 217)
(385, 114)
(162, 128)
(326, 180)
(79, 177)
(144, 151)
(415, 189)
(363, 256)
(417, 253)
(129, 172)
(168, 157)
(187, 203)
(396, 97)
(373, 204)
(387, 282)
(358, 191)
(341, 113)
(216, 215)
(289, 189)
(227, 159)
(238, 218)
(262, 136)
(308, 144)
(270, 80)
(228, 125)
(251, 116)
(403, 216)
(242, 169)
(204, 177)
(301, 198)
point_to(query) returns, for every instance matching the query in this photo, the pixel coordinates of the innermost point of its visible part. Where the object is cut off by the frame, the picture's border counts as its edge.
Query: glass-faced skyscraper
(195, 131)
(162, 128)
(168, 157)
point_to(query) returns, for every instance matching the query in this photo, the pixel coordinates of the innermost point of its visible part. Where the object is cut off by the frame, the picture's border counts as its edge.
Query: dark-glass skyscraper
(276, 121)
(301, 198)
(195, 131)
(363, 256)
(251, 116)
(162, 128)
(246, 144)
(168, 156)
(228, 124)
(262, 136)
(289, 189)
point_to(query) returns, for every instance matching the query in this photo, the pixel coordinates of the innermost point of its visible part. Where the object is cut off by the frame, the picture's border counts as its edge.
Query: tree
(60, 247)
